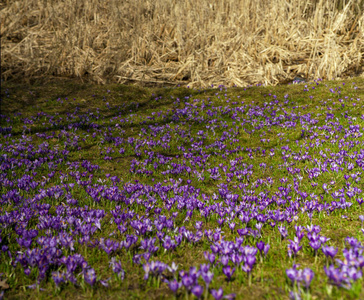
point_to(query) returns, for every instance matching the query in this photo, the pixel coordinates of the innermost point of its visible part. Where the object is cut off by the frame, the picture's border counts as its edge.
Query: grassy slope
(51, 98)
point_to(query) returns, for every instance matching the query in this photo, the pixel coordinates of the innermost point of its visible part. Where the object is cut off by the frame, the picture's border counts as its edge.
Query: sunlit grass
(113, 156)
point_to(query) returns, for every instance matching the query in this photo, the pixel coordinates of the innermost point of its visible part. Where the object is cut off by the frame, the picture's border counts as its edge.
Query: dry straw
(196, 43)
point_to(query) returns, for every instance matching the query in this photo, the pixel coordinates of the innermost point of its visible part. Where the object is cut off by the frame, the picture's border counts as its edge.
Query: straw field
(187, 42)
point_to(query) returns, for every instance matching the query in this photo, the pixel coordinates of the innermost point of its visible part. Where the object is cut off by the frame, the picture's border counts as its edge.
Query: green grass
(142, 107)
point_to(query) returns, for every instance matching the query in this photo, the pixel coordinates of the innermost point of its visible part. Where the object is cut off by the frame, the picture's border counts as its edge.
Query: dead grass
(196, 43)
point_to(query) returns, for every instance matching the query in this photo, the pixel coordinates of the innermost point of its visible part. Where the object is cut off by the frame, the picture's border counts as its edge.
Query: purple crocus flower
(187, 281)
(204, 268)
(207, 277)
(58, 278)
(246, 268)
(307, 276)
(315, 245)
(266, 249)
(335, 275)
(217, 294)
(249, 250)
(313, 236)
(294, 246)
(324, 239)
(329, 251)
(194, 273)
(136, 259)
(260, 246)
(198, 225)
(173, 268)
(250, 260)
(211, 257)
(117, 269)
(105, 282)
(146, 256)
(197, 290)
(352, 242)
(232, 226)
(300, 234)
(147, 270)
(243, 231)
(224, 260)
(259, 226)
(214, 248)
(221, 221)
(236, 258)
(174, 285)
(28, 270)
(24, 242)
(90, 276)
(283, 231)
(228, 271)
(354, 274)
(293, 274)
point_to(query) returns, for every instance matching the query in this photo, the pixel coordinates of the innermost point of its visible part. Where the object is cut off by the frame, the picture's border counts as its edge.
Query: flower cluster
(219, 176)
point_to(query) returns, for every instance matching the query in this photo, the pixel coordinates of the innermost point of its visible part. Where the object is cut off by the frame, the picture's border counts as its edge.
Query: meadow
(125, 192)
(186, 42)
